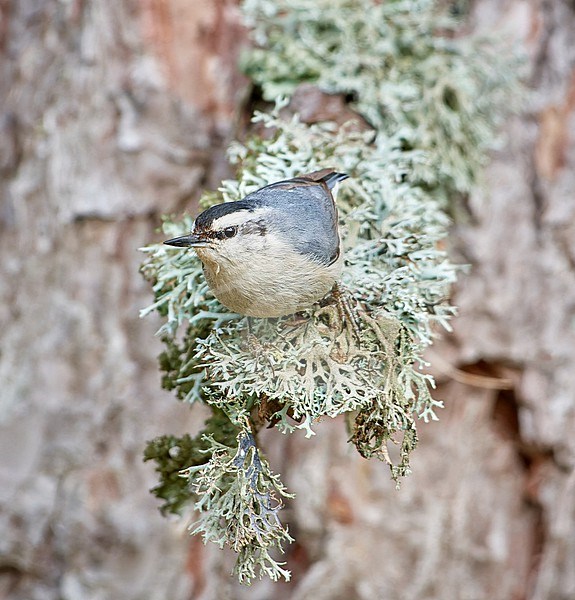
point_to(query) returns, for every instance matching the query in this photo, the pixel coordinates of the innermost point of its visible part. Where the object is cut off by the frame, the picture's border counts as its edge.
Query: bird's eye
(229, 232)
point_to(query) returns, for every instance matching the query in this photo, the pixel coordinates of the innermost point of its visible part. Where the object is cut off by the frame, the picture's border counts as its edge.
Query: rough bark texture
(114, 112)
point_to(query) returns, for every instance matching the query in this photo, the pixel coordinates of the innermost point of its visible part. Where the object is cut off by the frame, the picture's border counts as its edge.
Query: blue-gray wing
(305, 213)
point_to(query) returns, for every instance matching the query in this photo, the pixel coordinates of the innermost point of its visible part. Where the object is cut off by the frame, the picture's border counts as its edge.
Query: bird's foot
(347, 312)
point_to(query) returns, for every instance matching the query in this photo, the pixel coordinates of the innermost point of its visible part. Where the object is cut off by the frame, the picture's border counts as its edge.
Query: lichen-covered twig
(432, 102)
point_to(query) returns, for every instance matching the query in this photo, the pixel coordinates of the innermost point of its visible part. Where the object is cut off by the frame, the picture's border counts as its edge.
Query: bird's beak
(192, 240)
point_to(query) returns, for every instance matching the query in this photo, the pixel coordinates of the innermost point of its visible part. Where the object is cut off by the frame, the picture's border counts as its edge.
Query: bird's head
(287, 218)
(227, 232)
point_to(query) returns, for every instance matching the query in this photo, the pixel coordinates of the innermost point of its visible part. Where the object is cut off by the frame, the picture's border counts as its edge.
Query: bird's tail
(328, 176)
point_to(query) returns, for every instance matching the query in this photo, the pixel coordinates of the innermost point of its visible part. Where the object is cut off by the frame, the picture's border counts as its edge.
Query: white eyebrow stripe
(237, 218)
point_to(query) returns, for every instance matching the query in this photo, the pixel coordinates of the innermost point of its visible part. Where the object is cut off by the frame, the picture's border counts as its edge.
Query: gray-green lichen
(432, 105)
(404, 67)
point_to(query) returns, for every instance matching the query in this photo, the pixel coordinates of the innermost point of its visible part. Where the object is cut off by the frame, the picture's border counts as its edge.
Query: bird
(276, 251)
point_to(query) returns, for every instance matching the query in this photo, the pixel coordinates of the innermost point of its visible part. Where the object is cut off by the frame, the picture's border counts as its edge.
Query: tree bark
(112, 113)
(103, 129)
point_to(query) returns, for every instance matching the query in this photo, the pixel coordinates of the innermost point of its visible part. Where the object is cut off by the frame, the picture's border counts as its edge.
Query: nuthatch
(276, 251)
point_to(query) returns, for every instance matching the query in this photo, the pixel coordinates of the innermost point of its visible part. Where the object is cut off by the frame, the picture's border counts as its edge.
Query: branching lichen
(407, 71)
(296, 370)
(238, 499)
(432, 106)
(174, 454)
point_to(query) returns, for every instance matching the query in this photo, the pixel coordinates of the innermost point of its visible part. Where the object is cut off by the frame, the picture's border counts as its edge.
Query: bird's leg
(347, 312)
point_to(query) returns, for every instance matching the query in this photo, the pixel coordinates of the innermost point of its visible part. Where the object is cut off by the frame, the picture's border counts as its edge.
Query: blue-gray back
(304, 214)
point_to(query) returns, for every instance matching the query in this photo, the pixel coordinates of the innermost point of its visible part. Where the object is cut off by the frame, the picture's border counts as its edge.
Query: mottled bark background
(112, 113)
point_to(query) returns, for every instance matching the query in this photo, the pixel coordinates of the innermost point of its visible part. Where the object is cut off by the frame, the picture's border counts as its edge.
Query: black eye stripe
(222, 234)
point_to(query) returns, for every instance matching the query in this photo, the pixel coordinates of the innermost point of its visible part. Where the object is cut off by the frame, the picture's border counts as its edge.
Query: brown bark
(96, 143)
(114, 112)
